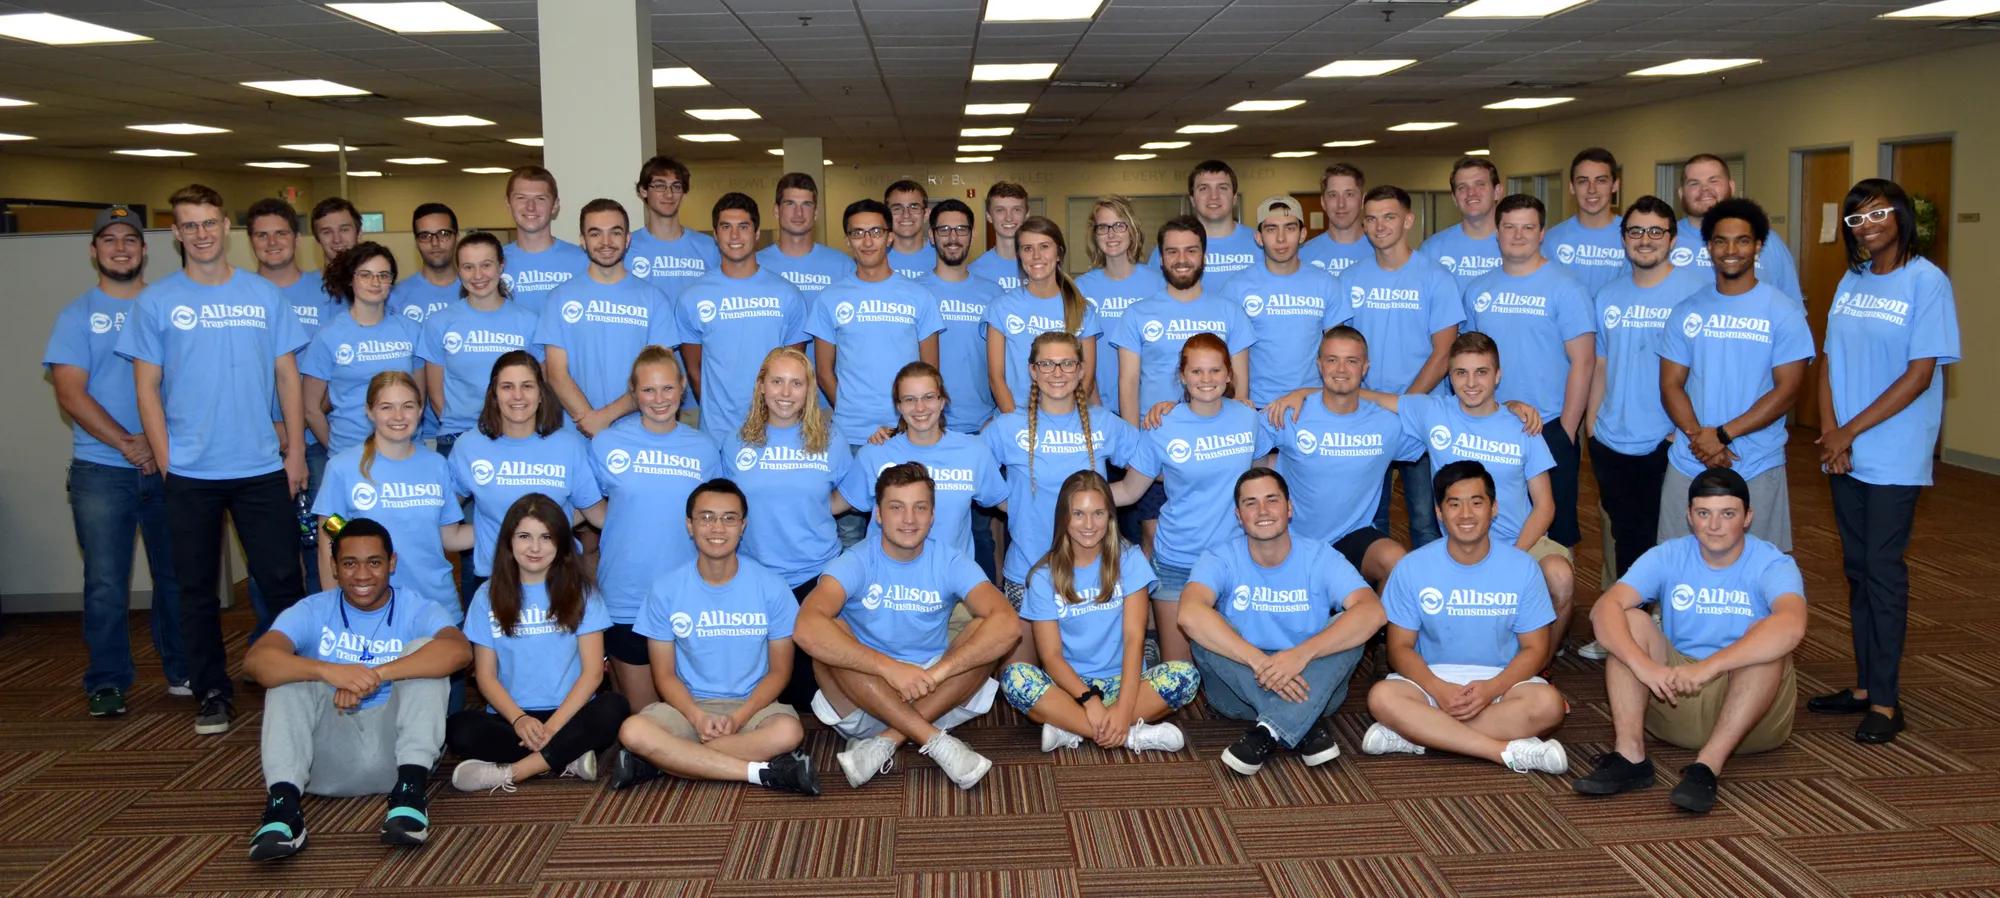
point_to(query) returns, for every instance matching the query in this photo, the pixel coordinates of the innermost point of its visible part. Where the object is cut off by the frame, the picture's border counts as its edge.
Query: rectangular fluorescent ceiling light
(1163, 145)
(1294, 154)
(1135, 157)
(1511, 9)
(277, 165)
(415, 18)
(6, 136)
(154, 153)
(1337, 144)
(776, 151)
(316, 147)
(979, 147)
(526, 141)
(10, 101)
(182, 128)
(1478, 152)
(486, 170)
(995, 108)
(364, 174)
(1041, 10)
(1422, 126)
(448, 121)
(62, 31)
(970, 159)
(1013, 71)
(707, 138)
(985, 132)
(418, 160)
(1265, 105)
(307, 87)
(1529, 103)
(732, 114)
(1359, 68)
(1693, 67)
(678, 76)
(1203, 129)
(1946, 9)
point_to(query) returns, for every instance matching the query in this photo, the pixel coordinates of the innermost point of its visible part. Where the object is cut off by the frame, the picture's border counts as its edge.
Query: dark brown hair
(567, 582)
(548, 412)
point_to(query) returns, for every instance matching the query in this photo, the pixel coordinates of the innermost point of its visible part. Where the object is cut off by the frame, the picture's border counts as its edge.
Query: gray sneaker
(960, 763)
(213, 718)
(583, 768)
(1593, 650)
(864, 758)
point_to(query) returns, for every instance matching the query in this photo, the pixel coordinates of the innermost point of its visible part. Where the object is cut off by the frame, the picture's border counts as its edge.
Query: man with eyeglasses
(909, 204)
(1345, 241)
(1589, 244)
(732, 316)
(435, 286)
(1006, 210)
(962, 303)
(663, 253)
(1289, 304)
(537, 261)
(1705, 181)
(1471, 247)
(810, 266)
(1230, 246)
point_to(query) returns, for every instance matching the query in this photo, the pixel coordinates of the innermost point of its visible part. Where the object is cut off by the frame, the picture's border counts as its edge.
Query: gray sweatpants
(326, 751)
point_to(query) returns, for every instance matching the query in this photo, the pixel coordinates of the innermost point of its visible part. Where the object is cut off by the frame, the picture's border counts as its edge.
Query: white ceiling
(887, 80)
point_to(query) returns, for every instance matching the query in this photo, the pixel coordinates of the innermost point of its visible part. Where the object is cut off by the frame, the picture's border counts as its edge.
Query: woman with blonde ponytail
(1047, 301)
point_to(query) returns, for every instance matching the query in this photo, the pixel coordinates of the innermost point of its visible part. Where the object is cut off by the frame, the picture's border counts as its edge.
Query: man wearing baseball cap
(114, 481)
(1289, 304)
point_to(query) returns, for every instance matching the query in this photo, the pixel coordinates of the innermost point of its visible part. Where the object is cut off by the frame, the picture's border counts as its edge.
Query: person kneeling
(1468, 628)
(1087, 602)
(333, 724)
(538, 627)
(878, 629)
(1256, 609)
(1715, 675)
(719, 642)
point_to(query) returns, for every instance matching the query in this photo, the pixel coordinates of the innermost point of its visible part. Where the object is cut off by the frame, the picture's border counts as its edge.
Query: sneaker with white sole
(1318, 746)
(583, 768)
(1054, 737)
(1145, 736)
(482, 776)
(181, 689)
(1593, 650)
(864, 758)
(1531, 754)
(1380, 740)
(963, 766)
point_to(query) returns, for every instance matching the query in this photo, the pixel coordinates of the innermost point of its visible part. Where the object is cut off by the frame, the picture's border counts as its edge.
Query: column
(597, 101)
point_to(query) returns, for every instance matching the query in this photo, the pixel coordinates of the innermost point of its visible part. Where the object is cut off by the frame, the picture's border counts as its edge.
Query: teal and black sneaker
(284, 831)
(406, 824)
(107, 702)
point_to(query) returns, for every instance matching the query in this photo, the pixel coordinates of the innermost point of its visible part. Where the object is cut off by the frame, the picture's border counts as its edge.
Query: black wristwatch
(1088, 694)
(1722, 435)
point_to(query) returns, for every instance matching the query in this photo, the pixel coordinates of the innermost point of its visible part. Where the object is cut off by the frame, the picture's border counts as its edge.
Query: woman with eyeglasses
(351, 349)
(461, 342)
(1118, 277)
(1892, 328)
(962, 468)
(1047, 301)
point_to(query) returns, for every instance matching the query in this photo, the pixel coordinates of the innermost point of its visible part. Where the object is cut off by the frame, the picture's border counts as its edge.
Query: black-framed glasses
(871, 233)
(437, 236)
(1064, 365)
(1873, 215)
(667, 187)
(952, 230)
(1115, 227)
(1635, 232)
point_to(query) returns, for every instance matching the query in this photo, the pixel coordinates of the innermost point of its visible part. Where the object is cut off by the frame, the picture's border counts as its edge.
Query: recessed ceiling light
(6, 136)
(154, 153)
(417, 160)
(526, 141)
(1336, 144)
(678, 76)
(1946, 9)
(1479, 152)
(1041, 10)
(1530, 103)
(1163, 145)
(826, 162)
(62, 31)
(181, 128)
(1013, 71)
(1265, 105)
(1693, 67)
(415, 18)
(1422, 126)
(10, 101)
(1359, 68)
(1511, 9)
(732, 114)
(486, 170)
(979, 147)
(970, 159)
(985, 132)
(1135, 157)
(776, 151)
(316, 147)
(448, 121)
(277, 165)
(995, 108)
(308, 87)
(1294, 154)
(364, 174)
(707, 138)
(1203, 129)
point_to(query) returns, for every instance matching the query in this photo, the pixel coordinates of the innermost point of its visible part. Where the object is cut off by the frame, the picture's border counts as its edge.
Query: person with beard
(963, 302)
(594, 326)
(434, 286)
(733, 315)
(1705, 182)
(115, 485)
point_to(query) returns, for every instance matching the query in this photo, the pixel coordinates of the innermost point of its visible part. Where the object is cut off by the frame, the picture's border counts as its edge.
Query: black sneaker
(107, 702)
(1250, 752)
(213, 718)
(1318, 747)
(406, 823)
(791, 772)
(628, 769)
(1614, 774)
(283, 833)
(1696, 792)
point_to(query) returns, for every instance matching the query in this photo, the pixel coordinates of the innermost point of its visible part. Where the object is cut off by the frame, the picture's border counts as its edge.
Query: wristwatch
(1088, 694)
(1722, 435)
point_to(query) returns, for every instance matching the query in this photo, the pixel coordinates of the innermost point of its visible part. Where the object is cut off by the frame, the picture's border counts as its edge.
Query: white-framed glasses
(1873, 215)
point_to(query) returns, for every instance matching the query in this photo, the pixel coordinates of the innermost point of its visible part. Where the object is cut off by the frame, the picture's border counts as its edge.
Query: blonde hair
(653, 354)
(1081, 397)
(1121, 207)
(1061, 557)
(815, 431)
(382, 381)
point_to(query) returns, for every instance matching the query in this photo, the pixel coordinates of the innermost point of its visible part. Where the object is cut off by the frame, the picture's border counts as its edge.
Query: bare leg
(635, 682)
(1628, 696)
(1751, 691)
(906, 720)
(708, 761)
(1173, 643)
(1061, 710)
(1529, 709)
(1024, 650)
(1562, 585)
(1380, 559)
(1148, 530)
(1400, 706)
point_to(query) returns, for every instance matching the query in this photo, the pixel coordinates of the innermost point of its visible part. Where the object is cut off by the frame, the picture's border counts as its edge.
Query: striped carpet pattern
(140, 806)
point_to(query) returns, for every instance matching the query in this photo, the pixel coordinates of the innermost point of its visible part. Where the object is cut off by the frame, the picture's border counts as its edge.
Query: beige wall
(1860, 108)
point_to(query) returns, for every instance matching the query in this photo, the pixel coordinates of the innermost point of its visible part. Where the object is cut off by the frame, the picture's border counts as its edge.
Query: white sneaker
(1054, 737)
(864, 758)
(583, 768)
(1545, 755)
(1593, 650)
(181, 689)
(959, 762)
(1380, 740)
(1145, 736)
(482, 776)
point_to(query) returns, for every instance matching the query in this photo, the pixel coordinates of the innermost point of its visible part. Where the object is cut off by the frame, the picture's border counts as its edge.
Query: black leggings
(482, 735)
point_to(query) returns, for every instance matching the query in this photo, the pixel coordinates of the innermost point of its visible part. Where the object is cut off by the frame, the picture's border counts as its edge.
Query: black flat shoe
(1840, 702)
(1878, 728)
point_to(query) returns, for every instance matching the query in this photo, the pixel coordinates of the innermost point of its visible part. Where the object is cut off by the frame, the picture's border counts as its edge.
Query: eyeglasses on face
(1873, 215)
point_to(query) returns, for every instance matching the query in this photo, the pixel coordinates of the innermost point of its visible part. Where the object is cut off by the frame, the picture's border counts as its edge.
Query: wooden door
(1824, 178)
(1310, 203)
(1924, 171)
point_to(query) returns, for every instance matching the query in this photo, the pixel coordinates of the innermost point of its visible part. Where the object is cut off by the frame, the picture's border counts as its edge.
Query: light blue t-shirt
(1017, 317)
(647, 477)
(346, 355)
(411, 499)
(1093, 632)
(737, 321)
(217, 348)
(1878, 325)
(465, 342)
(325, 628)
(1398, 311)
(1060, 450)
(1225, 256)
(790, 526)
(1002, 271)
(1594, 256)
(1335, 464)
(671, 265)
(1530, 318)
(539, 662)
(815, 271)
(964, 472)
(721, 634)
(916, 264)
(530, 276)
(1468, 614)
(1730, 344)
(1288, 312)
(1630, 418)
(1462, 255)
(1774, 265)
(962, 306)
(1332, 256)
(1199, 459)
(1110, 298)
(308, 299)
(1156, 328)
(1276, 608)
(602, 328)
(901, 608)
(498, 472)
(876, 327)
(1494, 440)
(417, 299)
(1707, 609)
(85, 336)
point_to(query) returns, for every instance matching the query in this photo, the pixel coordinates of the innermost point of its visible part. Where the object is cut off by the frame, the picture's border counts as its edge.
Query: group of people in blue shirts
(695, 488)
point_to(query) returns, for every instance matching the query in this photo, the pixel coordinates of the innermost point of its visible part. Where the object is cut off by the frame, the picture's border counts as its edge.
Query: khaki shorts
(1690, 723)
(1544, 547)
(673, 721)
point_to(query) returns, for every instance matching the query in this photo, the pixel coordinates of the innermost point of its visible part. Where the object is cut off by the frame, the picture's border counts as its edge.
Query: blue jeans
(1416, 499)
(109, 505)
(1232, 691)
(315, 472)
(1172, 581)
